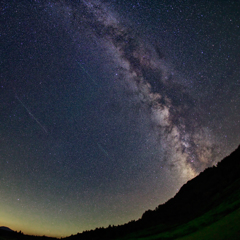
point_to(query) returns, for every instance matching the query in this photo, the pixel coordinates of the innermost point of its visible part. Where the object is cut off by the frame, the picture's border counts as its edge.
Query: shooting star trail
(32, 115)
(103, 150)
(87, 73)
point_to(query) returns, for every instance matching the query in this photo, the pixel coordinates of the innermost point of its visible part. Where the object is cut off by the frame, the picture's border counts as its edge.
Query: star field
(109, 107)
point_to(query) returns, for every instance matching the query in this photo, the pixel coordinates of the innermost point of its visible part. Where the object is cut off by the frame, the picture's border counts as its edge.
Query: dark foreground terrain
(206, 207)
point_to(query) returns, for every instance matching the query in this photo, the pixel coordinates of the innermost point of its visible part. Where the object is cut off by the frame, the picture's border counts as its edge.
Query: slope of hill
(211, 195)
(202, 207)
(200, 194)
(6, 229)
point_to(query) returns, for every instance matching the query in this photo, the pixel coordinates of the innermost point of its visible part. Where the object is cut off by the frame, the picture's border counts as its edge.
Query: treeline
(210, 188)
(199, 195)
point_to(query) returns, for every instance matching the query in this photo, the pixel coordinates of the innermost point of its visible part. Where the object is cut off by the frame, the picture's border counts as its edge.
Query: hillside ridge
(199, 194)
(215, 186)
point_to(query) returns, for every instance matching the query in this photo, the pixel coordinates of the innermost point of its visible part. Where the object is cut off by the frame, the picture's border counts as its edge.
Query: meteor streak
(32, 115)
(87, 73)
(103, 150)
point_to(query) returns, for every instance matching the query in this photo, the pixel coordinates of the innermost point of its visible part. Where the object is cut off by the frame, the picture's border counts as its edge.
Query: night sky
(108, 107)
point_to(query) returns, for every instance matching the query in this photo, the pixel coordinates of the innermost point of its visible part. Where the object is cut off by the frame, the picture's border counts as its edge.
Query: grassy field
(222, 222)
(226, 228)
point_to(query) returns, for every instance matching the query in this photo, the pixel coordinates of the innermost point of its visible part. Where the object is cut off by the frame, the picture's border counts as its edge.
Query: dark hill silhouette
(196, 197)
(6, 229)
(207, 191)
(215, 192)
(200, 194)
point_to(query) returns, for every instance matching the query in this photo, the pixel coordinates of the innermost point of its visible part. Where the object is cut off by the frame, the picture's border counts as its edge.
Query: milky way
(175, 122)
(109, 107)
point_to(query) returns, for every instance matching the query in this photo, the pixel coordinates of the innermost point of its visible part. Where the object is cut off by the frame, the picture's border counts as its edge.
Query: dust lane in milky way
(149, 82)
